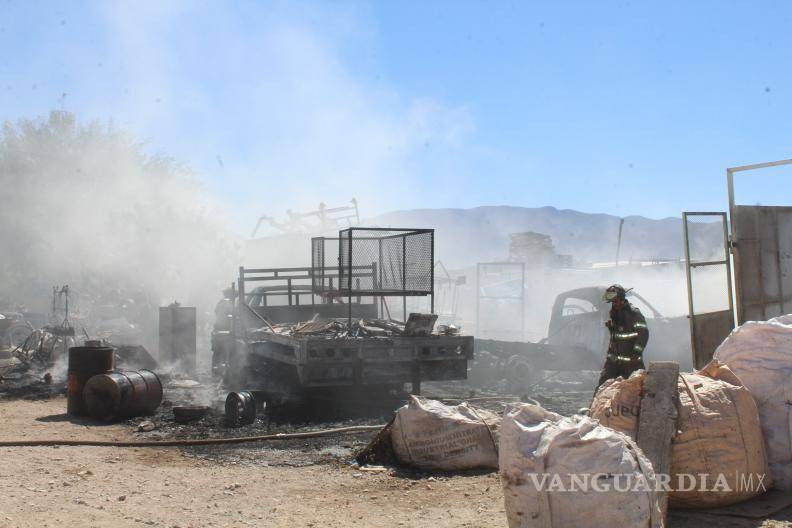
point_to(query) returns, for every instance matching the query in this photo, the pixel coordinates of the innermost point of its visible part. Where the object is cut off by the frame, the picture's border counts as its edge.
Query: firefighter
(628, 336)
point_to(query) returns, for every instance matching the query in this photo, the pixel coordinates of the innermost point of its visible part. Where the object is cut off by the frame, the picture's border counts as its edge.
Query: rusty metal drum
(123, 394)
(84, 363)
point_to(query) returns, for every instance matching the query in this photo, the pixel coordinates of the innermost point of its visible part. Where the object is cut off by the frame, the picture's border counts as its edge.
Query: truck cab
(578, 321)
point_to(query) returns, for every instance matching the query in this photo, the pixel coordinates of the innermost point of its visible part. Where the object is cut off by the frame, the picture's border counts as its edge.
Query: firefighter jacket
(628, 334)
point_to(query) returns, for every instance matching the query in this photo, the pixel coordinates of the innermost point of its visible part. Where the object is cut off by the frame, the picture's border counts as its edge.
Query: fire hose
(194, 442)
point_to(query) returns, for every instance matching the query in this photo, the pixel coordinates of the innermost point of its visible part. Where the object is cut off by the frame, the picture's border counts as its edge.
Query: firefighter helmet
(614, 292)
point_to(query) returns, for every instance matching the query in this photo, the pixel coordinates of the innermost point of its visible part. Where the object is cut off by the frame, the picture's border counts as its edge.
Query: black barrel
(118, 395)
(84, 363)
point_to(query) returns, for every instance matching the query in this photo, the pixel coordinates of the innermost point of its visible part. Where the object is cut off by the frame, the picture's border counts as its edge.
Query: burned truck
(577, 339)
(328, 330)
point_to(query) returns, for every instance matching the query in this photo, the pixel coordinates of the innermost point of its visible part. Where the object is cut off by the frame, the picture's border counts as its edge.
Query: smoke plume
(83, 204)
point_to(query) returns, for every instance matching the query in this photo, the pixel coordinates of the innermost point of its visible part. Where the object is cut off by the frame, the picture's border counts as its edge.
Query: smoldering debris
(417, 325)
(24, 386)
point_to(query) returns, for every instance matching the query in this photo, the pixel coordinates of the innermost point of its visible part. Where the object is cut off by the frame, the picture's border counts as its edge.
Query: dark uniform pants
(614, 369)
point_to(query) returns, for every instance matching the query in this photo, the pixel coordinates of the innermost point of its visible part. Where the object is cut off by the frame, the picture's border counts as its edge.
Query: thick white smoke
(84, 205)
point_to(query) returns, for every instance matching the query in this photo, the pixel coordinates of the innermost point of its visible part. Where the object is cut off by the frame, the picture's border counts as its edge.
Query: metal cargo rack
(401, 259)
(288, 294)
(349, 278)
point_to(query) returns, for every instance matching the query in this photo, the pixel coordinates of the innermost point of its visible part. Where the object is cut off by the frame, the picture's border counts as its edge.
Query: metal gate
(762, 249)
(500, 300)
(762, 240)
(707, 328)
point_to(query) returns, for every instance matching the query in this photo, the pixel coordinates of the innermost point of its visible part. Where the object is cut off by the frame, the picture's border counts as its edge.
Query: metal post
(416, 374)
(376, 300)
(727, 259)
(349, 280)
(618, 242)
(478, 300)
(733, 241)
(313, 287)
(404, 276)
(431, 261)
(691, 319)
(522, 301)
(379, 283)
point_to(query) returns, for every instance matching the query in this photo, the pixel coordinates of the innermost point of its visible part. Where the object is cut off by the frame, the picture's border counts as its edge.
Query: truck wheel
(240, 409)
(520, 373)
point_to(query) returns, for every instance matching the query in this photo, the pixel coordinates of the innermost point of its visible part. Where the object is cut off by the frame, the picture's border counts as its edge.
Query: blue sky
(617, 107)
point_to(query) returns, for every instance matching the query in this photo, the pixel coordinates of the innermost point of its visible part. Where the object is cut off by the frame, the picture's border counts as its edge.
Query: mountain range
(481, 234)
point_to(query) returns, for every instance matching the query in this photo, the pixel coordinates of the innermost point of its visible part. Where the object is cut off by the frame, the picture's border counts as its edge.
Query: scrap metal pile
(45, 345)
(417, 325)
(37, 349)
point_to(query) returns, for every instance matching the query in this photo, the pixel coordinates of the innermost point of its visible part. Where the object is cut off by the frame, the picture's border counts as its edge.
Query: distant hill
(466, 236)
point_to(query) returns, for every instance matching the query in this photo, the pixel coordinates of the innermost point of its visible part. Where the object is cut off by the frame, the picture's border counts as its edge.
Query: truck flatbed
(289, 343)
(326, 361)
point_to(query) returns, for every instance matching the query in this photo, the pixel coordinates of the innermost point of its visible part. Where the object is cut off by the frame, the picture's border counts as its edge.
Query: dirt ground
(118, 487)
(295, 483)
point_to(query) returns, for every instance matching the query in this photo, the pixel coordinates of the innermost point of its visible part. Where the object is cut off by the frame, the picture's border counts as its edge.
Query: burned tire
(520, 374)
(240, 409)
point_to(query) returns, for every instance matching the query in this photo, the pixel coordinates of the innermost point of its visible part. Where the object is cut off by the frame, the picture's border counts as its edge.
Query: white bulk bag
(542, 452)
(718, 434)
(760, 354)
(430, 435)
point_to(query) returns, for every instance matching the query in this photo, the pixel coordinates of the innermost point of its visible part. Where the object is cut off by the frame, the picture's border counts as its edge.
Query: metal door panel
(762, 240)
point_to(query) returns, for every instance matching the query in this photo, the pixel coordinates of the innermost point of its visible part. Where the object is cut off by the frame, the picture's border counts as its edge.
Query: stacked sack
(760, 353)
(719, 433)
(541, 455)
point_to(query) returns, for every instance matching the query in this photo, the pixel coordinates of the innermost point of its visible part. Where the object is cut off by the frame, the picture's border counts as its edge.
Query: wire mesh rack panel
(325, 272)
(400, 260)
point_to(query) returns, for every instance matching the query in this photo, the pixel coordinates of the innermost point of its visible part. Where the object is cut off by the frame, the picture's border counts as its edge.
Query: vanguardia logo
(683, 482)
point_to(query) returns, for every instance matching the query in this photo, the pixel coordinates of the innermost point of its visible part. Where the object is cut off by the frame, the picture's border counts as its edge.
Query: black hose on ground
(194, 442)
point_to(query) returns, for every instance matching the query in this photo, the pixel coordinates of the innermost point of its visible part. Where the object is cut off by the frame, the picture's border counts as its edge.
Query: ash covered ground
(562, 392)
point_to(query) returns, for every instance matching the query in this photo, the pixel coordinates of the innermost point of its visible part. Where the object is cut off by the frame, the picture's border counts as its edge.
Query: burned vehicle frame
(577, 340)
(321, 331)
